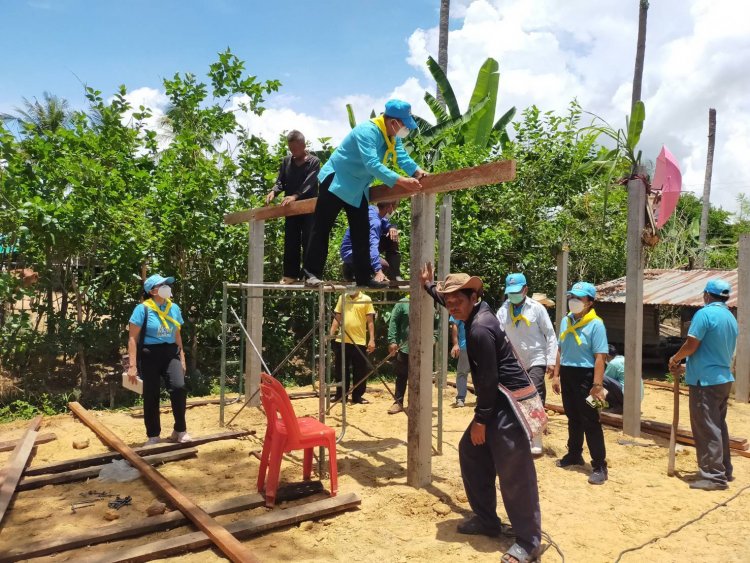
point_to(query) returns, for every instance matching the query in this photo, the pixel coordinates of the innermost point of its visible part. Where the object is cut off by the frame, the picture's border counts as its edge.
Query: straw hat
(543, 299)
(457, 282)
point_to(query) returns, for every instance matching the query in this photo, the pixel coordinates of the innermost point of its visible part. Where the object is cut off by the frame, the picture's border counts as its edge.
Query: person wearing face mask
(366, 153)
(383, 239)
(530, 330)
(579, 373)
(161, 356)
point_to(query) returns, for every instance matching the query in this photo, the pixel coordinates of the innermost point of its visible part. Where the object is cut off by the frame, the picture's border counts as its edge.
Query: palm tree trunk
(640, 53)
(703, 234)
(445, 6)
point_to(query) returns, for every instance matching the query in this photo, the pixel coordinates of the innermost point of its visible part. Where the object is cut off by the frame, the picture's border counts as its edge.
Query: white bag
(119, 471)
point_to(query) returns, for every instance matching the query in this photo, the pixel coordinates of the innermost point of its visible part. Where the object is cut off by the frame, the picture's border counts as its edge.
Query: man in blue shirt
(458, 336)
(709, 349)
(383, 238)
(345, 182)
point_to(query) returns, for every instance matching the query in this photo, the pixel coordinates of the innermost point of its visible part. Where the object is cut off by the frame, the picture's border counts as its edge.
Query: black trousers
(536, 374)
(296, 237)
(326, 211)
(401, 367)
(390, 263)
(708, 421)
(506, 454)
(355, 366)
(583, 420)
(162, 362)
(615, 396)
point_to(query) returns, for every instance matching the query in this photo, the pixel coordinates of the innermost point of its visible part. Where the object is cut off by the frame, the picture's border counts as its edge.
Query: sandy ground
(396, 522)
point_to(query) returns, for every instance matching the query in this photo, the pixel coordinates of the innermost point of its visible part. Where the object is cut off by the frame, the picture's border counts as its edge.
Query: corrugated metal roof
(670, 287)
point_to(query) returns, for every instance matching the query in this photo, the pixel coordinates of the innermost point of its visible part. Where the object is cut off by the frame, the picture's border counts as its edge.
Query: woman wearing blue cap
(579, 372)
(345, 180)
(159, 356)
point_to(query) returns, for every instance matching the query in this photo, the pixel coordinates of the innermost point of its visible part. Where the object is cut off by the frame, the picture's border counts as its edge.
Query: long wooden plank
(14, 469)
(227, 543)
(99, 459)
(40, 439)
(39, 481)
(742, 359)
(174, 519)
(482, 175)
(242, 529)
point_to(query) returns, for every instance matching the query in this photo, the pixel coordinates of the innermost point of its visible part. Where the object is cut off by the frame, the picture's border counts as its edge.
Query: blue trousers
(506, 454)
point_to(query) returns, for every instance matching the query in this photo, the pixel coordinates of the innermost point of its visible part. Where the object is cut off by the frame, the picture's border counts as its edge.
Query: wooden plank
(39, 481)
(153, 524)
(482, 175)
(254, 321)
(742, 360)
(40, 439)
(272, 520)
(634, 305)
(675, 426)
(421, 322)
(99, 459)
(232, 548)
(561, 297)
(16, 464)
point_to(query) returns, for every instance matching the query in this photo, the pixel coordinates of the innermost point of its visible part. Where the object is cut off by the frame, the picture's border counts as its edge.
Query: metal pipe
(223, 372)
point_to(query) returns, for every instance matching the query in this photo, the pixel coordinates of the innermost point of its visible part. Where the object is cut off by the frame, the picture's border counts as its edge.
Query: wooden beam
(634, 305)
(174, 519)
(16, 464)
(232, 548)
(254, 322)
(482, 175)
(742, 361)
(99, 459)
(272, 520)
(421, 322)
(561, 297)
(39, 481)
(40, 439)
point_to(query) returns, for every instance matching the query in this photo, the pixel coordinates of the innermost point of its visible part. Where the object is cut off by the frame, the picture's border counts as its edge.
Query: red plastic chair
(286, 432)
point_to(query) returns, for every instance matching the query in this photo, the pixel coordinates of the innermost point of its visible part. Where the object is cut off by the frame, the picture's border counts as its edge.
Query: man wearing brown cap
(495, 442)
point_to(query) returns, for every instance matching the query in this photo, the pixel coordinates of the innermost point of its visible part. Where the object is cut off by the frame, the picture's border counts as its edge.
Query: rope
(552, 542)
(683, 526)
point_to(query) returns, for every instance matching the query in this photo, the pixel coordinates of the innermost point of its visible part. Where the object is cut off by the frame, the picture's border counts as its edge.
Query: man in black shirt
(495, 442)
(298, 179)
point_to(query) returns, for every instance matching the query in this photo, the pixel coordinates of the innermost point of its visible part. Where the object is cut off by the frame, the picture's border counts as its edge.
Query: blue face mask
(516, 298)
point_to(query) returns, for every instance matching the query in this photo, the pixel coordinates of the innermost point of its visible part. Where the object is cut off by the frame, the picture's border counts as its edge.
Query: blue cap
(718, 287)
(583, 289)
(155, 280)
(514, 283)
(400, 110)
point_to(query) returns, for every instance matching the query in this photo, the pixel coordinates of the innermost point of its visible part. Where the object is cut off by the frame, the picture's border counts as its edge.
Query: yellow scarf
(516, 319)
(588, 317)
(163, 316)
(390, 142)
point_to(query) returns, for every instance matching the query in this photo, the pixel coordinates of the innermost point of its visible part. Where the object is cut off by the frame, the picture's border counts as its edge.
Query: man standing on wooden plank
(709, 348)
(298, 179)
(495, 444)
(530, 330)
(345, 181)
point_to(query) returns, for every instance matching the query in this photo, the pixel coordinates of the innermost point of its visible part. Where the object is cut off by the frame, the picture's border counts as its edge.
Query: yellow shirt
(355, 317)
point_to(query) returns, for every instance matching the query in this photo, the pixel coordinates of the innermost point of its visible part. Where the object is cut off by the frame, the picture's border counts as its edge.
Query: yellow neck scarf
(163, 315)
(390, 142)
(516, 319)
(588, 317)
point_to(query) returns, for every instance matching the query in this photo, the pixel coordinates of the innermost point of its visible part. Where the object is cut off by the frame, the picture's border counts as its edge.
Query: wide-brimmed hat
(457, 282)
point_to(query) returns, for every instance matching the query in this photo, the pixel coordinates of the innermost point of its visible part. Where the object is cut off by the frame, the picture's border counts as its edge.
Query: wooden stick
(99, 459)
(242, 528)
(40, 439)
(232, 548)
(484, 174)
(675, 425)
(17, 463)
(153, 524)
(38, 481)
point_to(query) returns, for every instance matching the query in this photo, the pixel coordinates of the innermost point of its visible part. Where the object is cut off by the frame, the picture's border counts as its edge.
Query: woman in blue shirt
(161, 357)
(579, 372)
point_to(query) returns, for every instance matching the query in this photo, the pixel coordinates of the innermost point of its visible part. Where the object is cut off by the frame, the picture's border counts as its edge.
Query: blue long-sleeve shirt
(378, 227)
(358, 160)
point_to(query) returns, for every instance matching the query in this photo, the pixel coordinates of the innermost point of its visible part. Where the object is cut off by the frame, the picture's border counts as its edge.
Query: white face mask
(402, 132)
(165, 292)
(575, 306)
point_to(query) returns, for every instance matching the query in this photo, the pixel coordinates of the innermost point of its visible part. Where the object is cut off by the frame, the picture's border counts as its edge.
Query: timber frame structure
(421, 308)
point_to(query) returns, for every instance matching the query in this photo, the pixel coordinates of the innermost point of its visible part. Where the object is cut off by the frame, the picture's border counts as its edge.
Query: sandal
(521, 555)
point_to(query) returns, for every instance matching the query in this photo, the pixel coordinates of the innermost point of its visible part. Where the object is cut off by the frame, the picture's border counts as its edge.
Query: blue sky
(317, 49)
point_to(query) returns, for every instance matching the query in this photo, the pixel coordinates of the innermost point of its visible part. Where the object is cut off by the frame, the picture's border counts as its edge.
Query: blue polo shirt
(156, 332)
(379, 226)
(715, 326)
(593, 341)
(358, 160)
(461, 332)
(616, 370)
